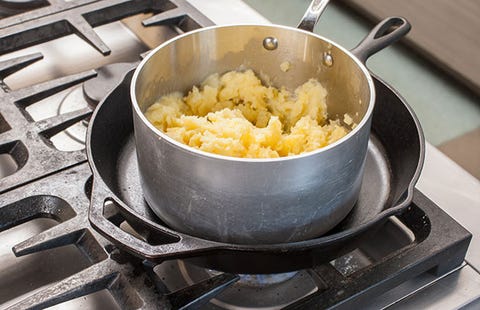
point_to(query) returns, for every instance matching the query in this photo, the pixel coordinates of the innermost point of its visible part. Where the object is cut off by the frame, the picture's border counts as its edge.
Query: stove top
(53, 63)
(46, 225)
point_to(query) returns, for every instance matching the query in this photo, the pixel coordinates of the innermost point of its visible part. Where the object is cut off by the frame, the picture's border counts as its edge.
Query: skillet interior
(394, 160)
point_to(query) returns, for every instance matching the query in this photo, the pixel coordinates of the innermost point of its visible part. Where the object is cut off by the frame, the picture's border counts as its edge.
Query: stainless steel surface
(270, 43)
(194, 191)
(327, 59)
(453, 291)
(313, 13)
(8, 165)
(20, 277)
(456, 192)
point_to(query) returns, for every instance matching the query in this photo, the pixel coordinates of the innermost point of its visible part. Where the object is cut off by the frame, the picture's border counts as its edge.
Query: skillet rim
(101, 188)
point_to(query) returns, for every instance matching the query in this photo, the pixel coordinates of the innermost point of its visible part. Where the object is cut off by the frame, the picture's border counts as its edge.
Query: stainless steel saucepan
(258, 201)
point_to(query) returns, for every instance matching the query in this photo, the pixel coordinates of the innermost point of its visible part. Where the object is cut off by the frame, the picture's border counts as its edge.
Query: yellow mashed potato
(235, 115)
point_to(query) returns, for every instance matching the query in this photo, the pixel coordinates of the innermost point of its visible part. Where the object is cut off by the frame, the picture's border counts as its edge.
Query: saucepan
(258, 201)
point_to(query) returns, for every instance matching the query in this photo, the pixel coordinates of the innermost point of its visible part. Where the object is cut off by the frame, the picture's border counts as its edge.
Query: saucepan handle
(382, 35)
(311, 16)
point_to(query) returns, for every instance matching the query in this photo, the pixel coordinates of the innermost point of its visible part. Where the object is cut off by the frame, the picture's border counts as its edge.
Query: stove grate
(432, 251)
(132, 283)
(64, 196)
(52, 7)
(27, 141)
(80, 19)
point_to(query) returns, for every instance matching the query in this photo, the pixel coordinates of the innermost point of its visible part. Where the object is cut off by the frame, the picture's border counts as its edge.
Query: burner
(263, 280)
(108, 77)
(90, 93)
(74, 101)
(273, 291)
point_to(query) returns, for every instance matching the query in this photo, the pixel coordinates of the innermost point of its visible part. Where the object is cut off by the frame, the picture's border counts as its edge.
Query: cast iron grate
(27, 141)
(126, 277)
(79, 17)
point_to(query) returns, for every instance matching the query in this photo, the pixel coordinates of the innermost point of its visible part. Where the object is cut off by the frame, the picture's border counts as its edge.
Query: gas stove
(55, 65)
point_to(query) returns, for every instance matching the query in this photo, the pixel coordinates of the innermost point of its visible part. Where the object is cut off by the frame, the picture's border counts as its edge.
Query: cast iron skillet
(394, 161)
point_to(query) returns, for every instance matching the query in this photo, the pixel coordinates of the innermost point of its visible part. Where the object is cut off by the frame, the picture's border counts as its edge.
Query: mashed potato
(235, 115)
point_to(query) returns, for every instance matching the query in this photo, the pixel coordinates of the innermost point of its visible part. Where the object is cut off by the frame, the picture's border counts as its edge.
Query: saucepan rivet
(270, 43)
(327, 59)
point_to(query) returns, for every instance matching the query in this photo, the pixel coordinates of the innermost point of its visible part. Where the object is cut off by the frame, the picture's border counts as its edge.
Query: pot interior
(187, 60)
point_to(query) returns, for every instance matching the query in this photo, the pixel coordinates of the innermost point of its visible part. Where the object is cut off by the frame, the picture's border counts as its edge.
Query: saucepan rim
(160, 134)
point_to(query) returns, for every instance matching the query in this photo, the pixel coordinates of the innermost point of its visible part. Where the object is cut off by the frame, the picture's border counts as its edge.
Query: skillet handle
(381, 36)
(311, 16)
(167, 245)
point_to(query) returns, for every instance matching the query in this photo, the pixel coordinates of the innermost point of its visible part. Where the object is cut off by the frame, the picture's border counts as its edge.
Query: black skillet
(394, 161)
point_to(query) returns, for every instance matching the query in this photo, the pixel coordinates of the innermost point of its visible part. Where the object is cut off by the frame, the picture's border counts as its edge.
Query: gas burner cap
(90, 94)
(74, 101)
(108, 77)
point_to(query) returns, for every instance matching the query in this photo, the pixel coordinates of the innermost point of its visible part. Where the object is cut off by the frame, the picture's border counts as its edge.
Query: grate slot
(101, 299)
(173, 16)
(11, 66)
(90, 280)
(8, 166)
(60, 235)
(35, 206)
(29, 95)
(19, 275)
(4, 126)
(143, 233)
(14, 156)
